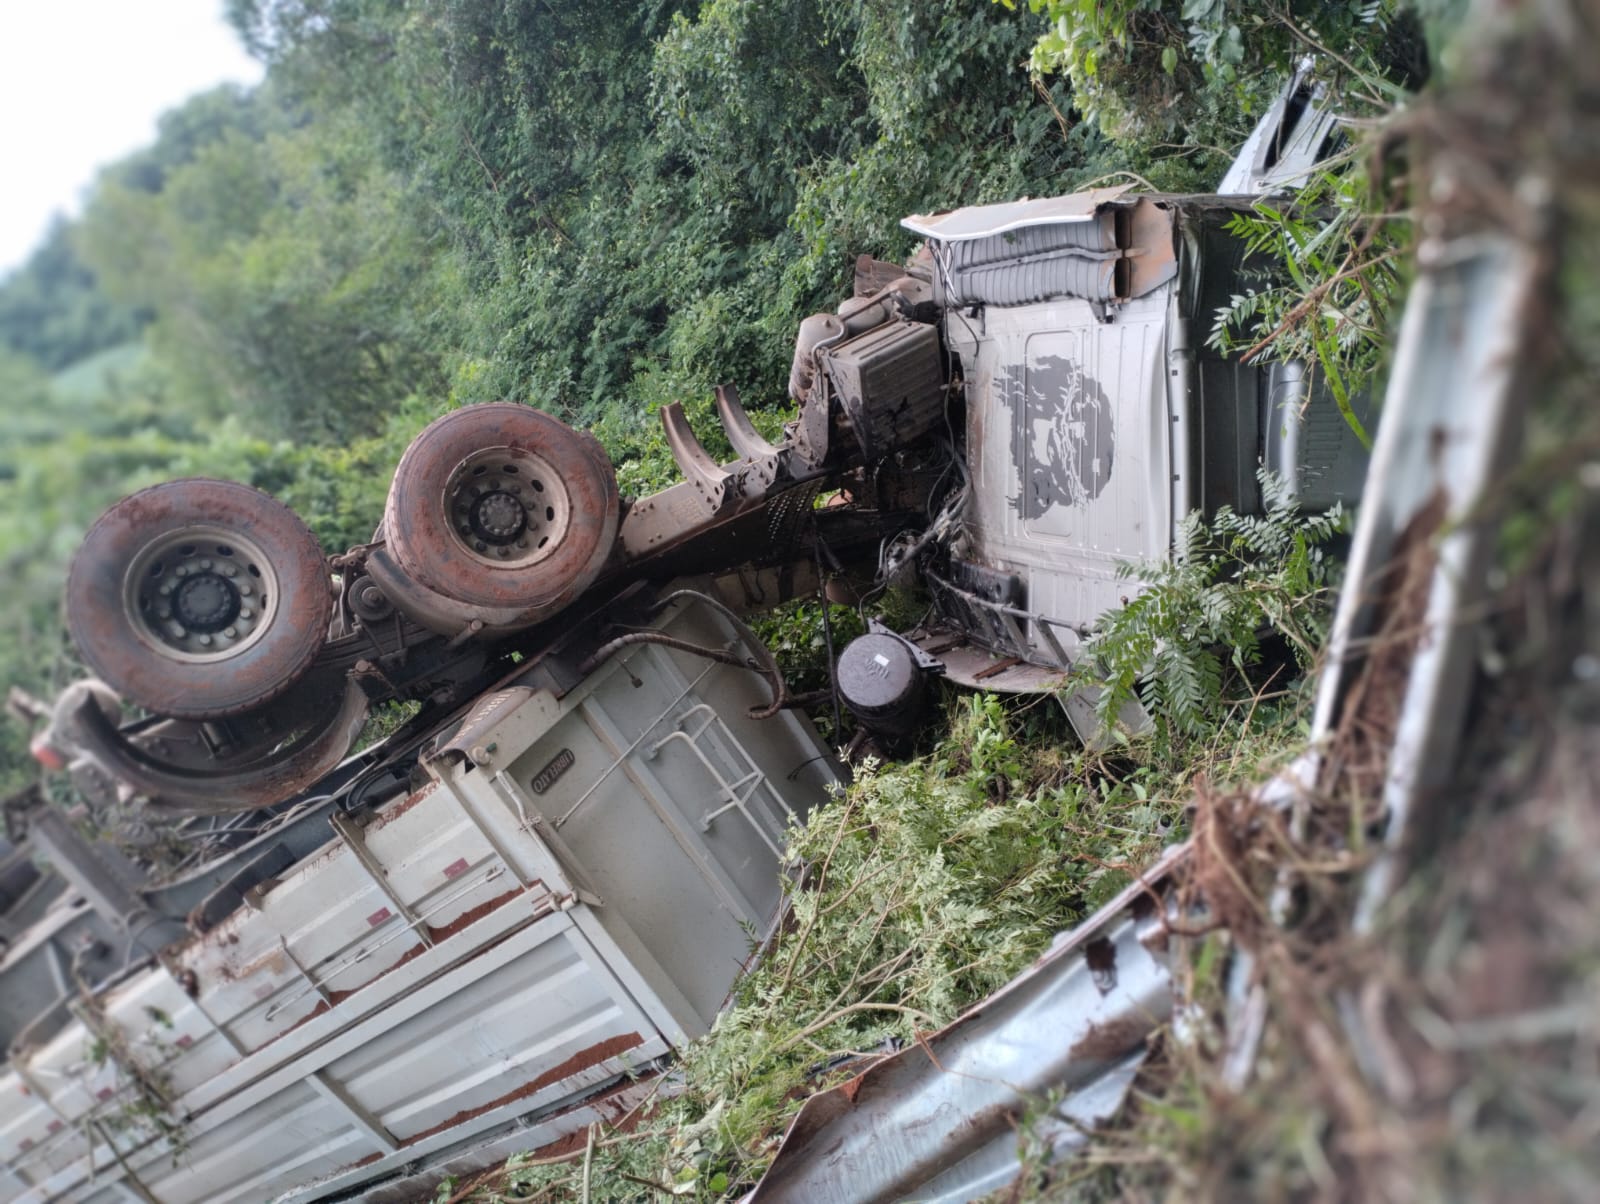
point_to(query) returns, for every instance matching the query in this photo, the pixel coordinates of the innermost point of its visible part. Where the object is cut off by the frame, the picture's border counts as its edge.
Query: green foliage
(1189, 78)
(53, 310)
(628, 194)
(1334, 280)
(1202, 616)
(283, 268)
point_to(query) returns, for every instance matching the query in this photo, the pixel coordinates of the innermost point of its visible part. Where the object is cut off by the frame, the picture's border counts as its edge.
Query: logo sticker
(559, 764)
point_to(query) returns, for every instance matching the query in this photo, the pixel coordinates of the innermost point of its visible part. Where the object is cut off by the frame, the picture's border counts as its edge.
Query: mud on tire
(502, 506)
(199, 599)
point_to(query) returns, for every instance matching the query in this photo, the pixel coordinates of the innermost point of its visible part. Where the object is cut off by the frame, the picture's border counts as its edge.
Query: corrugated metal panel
(1036, 278)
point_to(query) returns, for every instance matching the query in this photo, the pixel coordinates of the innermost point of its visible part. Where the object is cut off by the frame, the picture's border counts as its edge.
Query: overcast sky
(82, 83)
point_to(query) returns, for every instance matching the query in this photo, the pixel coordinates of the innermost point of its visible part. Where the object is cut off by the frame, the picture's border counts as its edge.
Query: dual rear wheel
(203, 599)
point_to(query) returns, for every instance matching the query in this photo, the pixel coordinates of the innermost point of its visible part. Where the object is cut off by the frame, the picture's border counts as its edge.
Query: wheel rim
(201, 594)
(507, 507)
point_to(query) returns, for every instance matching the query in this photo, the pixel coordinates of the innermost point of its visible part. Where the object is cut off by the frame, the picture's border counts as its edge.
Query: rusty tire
(199, 599)
(500, 506)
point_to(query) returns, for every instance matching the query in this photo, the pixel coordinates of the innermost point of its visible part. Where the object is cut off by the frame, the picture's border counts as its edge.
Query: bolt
(165, 589)
(504, 552)
(230, 632)
(229, 570)
(246, 590)
(180, 631)
(181, 571)
(245, 612)
(205, 564)
(164, 612)
(205, 640)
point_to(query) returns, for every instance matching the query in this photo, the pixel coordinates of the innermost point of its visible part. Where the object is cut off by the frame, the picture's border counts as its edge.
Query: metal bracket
(696, 464)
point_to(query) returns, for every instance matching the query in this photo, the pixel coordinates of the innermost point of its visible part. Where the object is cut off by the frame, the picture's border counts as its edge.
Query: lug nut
(229, 570)
(205, 639)
(205, 564)
(245, 612)
(230, 632)
(165, 589)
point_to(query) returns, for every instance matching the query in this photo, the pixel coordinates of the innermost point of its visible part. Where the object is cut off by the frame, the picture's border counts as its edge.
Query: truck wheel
(502, 506)
(199, 599)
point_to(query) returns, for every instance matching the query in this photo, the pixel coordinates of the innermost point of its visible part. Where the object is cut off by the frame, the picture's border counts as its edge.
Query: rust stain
(577, 1063)
(853, 1088)
(465, 920)
(1110, 1041)
(614, 1102)
(417, 950)
(389, 814)
(272, 961)
(321, 1008)
(471, 916)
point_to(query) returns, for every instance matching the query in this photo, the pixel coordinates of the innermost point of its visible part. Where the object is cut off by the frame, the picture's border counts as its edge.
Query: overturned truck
(488, 930)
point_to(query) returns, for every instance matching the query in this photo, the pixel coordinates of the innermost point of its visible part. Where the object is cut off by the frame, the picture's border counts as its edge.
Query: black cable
(827, 622)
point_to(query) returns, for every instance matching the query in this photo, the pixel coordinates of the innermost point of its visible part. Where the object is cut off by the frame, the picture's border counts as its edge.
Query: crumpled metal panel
(941, 1117)
(1450, 426)
(1287, 143)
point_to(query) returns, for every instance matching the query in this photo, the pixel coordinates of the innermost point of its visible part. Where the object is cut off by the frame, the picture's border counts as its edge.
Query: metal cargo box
(572, 892)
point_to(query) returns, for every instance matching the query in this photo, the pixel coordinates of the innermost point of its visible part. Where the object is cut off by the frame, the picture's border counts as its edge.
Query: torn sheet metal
(1299, 131)
(1450, 422)
(940, 1119)
(1448, 432)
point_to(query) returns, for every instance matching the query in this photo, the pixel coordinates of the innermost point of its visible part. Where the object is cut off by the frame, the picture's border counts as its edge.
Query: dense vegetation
(602, 206)
(593, 207)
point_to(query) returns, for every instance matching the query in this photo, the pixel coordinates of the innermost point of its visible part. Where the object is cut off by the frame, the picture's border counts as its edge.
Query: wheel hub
(206, 602)
(201, 593)
(498, 517)
(507, 507)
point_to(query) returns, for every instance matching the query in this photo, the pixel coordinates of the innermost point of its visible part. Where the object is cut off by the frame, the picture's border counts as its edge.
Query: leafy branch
(1238, 578)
